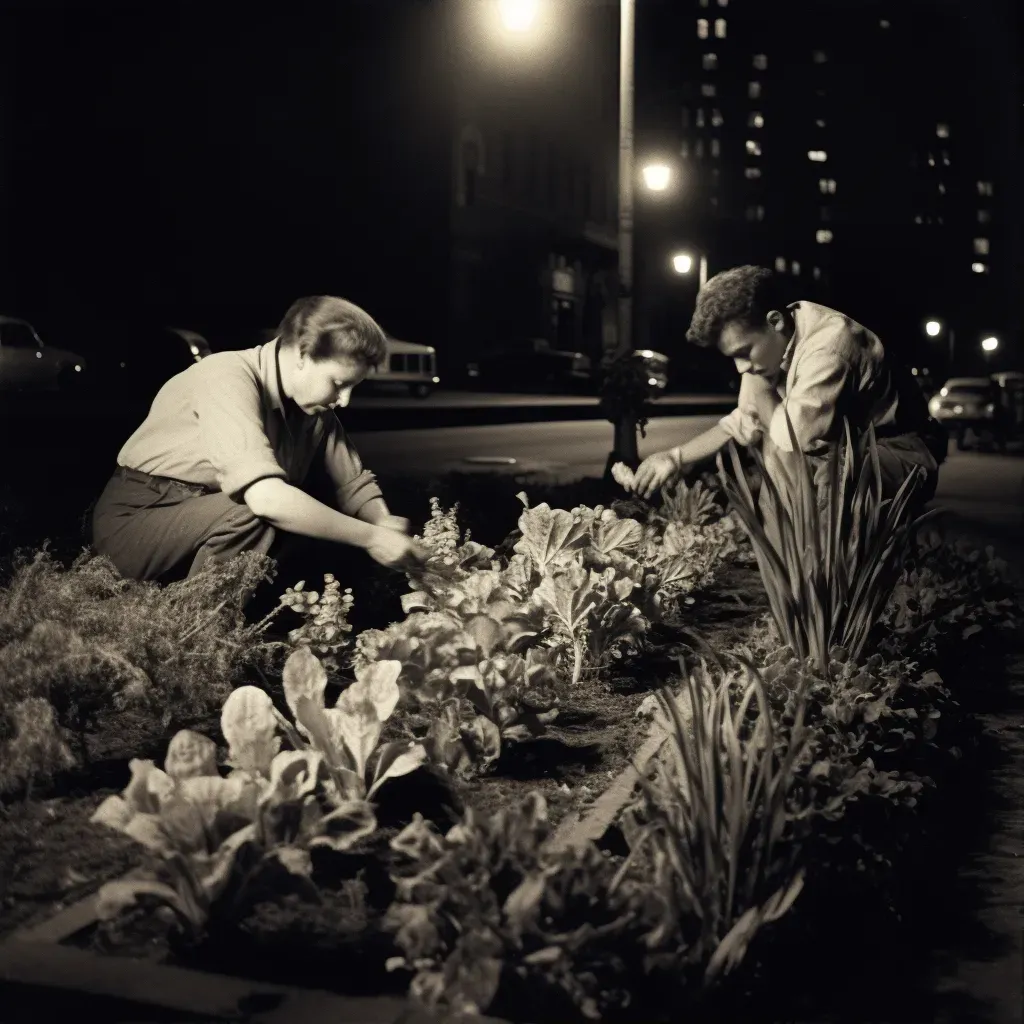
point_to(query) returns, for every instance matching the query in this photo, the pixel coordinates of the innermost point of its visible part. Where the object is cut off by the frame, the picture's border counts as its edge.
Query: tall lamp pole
(627, 49)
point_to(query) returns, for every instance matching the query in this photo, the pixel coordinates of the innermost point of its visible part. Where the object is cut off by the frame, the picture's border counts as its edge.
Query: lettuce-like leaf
(249, 724)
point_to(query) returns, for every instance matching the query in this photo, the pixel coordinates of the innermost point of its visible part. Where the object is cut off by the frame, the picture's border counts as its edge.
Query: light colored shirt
(224, 423)
(833, 367)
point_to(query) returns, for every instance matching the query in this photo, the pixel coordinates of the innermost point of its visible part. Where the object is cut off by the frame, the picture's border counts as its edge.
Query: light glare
(682, 263)
(518, 15)
(990, 344)
(656, 177)
(932, 328)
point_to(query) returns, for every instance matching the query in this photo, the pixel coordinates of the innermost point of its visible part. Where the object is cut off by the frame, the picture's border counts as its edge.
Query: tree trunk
(624, 446)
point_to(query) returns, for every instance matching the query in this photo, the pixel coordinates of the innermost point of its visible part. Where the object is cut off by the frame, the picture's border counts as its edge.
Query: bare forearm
(374, 511)
(290, 509)
(702, 447)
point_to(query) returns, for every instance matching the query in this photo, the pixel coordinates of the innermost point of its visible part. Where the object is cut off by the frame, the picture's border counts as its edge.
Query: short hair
(326, 327)
(743, 295)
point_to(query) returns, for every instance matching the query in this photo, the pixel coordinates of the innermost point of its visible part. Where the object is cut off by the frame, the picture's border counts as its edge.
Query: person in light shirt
(243, 452)
(809, 361)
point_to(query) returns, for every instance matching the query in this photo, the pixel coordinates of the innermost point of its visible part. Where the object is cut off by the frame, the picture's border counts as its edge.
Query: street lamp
(518, 15)
(682, 263)
(657, 176)
(989, 344)
(933, 328)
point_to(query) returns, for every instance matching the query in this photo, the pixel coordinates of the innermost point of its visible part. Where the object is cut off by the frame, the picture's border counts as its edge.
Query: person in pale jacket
(808, 361)
(243, 452)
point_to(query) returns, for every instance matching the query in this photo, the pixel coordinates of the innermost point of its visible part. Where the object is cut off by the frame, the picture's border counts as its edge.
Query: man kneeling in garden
(811, 362)
(220, 464)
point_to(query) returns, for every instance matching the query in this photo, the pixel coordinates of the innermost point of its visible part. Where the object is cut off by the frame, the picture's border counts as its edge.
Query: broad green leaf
(189, 755)
(249, 725)
(549, 534)
(303, 677)
(356, 727)
(377, 683)
(397, 759)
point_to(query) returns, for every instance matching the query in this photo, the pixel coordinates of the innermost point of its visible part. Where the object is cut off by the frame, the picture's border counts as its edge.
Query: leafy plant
(829, 559)
(492, 905)
(713, 823)
(326, 628)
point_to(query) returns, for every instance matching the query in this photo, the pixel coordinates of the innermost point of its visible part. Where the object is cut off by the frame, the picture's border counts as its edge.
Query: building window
(703, 3)
(753, 90)
(919, 219)
(984, 217)
(942, 131)
(795, 267)
(827, 186)
(820, 57)
(820, 123)
(945, 158)
(931, 160)
(755, 120)
(700, 117)
(719, 28)
(716, 118)
(698, 149)
(979, 268)
(816, 273)
(684, 149)
(760, 61)
(823, 236)
(942, 188)
(716, 148)
(723, 3)
(818, 156)
(707, 90)
(709, 61)
(751, 173)
(984, 188)
(702, 28)
(753, 148)
(755, 213)
(981, 247)
(780, 264)
(884, 24)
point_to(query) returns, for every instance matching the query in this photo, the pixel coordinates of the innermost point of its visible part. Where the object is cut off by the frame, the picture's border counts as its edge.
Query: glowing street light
(989, 344)
(933, 328)
(518, 15)
(682, 263)
(657, 176)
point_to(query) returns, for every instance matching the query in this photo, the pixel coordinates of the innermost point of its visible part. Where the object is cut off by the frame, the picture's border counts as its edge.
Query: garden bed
(517, 800)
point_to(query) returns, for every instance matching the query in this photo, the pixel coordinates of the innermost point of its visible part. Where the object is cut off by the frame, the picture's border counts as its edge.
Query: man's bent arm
(291, 509)
(374, 511)
(702, 447)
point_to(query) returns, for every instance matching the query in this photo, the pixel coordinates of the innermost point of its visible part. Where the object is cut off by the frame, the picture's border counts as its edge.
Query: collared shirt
(833, 367)
(224, 423)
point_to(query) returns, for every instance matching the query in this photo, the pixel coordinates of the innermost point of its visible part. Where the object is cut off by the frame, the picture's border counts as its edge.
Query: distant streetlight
(682, 263)
(933, 328)
(657, 176)
(518, 15)
(989, 344)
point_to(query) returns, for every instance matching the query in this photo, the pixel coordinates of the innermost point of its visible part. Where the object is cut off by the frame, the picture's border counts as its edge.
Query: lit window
(984, 188)
(939, 220)
(931, 160)
(942, 130)
(823, 236)
(818, 156)
(820, 57)
(703, 3)
(698, 150)
(919, 219)
(816, 273)
(684, 150)
(780, 264)
(700, 117)
(752, 172)
(795, 267)
(827, 186)
(716, 118)
(820, 123)
(753, 148)
(945, 159)
(716, 148)
(883, 23)
(942, 188)
(755, 121)
(984, 217)
(719, 28)
(707, 90)
(753, 90)
(709, 61)
(760, 61)
(702, 28)
(723, 3)
(979, 268)
(981, 246)
(756, 213)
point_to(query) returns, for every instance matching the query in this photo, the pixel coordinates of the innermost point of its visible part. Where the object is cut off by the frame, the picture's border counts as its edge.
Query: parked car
(967, 408)
(409, 365)
(26, 364)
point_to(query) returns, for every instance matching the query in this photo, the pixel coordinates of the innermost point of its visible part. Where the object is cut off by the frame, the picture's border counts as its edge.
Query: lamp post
(988, 346)
(682, 263)
(933, 328)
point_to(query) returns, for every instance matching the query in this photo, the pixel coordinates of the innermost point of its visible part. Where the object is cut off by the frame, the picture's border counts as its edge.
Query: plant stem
(205, 622)
(577, 663)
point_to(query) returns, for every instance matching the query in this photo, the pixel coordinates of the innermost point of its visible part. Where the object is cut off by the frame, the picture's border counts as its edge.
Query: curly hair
(744, 295)
(326, 327)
